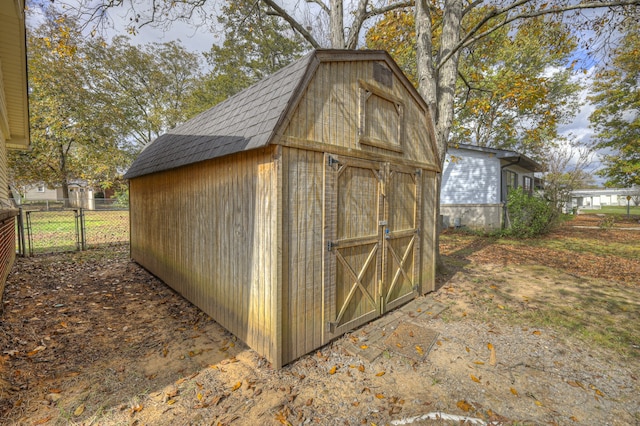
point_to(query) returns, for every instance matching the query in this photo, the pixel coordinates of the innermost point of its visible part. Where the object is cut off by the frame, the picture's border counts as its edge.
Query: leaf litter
(153, 358)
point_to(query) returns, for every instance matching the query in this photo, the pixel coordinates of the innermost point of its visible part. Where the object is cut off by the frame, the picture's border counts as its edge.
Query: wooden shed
(300, 208)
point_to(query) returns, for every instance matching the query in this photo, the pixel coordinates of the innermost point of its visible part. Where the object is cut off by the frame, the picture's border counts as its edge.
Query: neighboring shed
(476, 181)
(298, 209)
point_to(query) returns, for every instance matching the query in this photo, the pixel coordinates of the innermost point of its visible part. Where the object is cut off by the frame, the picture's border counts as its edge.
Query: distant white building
(80, 195)
(584, 199)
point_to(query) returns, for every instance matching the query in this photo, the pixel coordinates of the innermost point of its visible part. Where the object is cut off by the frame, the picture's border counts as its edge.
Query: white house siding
(470, 177)
(473, 190)
(470, 192)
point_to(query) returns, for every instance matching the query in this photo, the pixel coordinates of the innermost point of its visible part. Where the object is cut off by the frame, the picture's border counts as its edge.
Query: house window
(527, 184)
(511, 180)
(40, 188)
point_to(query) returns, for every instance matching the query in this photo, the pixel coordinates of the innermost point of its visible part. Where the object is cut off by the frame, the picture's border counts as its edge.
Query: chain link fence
(52, 226)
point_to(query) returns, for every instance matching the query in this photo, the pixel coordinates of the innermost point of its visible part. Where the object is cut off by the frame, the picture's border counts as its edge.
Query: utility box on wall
(300, 208)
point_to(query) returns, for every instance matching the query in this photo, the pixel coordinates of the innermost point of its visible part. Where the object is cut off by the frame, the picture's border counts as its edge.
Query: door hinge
(330, 245)
(331, 327)
(418, 172)
(331, 161)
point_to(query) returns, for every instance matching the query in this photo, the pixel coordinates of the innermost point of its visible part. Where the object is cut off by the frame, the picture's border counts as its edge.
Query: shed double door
(371, 226)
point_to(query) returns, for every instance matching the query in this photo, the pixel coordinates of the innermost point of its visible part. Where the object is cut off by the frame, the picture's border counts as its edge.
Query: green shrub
(529, 215)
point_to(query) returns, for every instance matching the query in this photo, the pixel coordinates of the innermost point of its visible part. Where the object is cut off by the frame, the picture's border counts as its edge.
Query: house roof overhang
(14, 106)
(511, 157)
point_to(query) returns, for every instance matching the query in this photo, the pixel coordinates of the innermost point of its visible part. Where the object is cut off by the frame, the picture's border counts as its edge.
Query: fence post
(83, 229)
(22, 250)
(80, 230)
(28, 228)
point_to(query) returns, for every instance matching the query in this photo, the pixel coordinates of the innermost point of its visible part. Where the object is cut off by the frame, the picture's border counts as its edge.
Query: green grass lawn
(615, 210)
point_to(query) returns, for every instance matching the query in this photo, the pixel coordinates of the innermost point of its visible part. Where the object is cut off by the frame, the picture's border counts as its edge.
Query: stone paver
(373, 339)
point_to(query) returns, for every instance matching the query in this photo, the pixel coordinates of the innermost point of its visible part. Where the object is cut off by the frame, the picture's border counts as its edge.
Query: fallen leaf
(171, 402)
(36, 350)
(538, 403)
(309, 402)
(599, 393)
(501, 307)
(478, 362)
(467, 349)
(474, 378)
(333, 370)
(364, 347)
(42, 421)
(464, 406)
(537, 332)
(492, 356)
(380, 374)
(489, 346)
(439, 343)
(493, 287)
(361, 368)
(575, 384)
(78, 411)
(199, 396)
(379, 396)
(236, 387)
(574, 418)
(513, 391)
(419, 350)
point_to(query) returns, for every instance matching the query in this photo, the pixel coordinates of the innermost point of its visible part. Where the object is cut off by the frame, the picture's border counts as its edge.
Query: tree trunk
(336, 24)
(437, 87)
(65, 193)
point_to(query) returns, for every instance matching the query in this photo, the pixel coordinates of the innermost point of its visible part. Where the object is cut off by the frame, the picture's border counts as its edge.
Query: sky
(200, 39)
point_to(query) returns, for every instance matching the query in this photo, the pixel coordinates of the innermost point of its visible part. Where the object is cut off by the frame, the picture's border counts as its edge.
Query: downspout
(503, 192)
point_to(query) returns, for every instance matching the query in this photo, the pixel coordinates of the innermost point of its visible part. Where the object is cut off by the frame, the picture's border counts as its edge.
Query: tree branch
(323, 6)
(473, 35)
(292, 21)
(362, 15)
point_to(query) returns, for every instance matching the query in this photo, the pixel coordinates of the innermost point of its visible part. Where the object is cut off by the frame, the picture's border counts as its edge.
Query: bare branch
(323, 6)
(292, 21)
(473, 35)
(362, 15)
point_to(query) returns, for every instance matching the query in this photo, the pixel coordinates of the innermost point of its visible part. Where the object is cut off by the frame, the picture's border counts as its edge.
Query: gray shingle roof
(245, 121)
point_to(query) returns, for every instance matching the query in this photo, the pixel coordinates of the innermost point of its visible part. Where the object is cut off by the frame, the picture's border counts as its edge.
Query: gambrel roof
(241, 122)
(248, 120)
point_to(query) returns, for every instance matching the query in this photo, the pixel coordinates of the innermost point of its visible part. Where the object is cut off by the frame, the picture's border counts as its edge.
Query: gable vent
(382, 74)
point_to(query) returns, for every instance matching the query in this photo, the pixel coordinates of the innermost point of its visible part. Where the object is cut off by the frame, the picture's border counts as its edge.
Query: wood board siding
(209, 230)
(330, 112)
(307, 265)
(428, 233)
(302, 236)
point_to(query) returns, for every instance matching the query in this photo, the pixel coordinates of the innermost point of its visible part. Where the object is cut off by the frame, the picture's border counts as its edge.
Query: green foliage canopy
(616, 119)
(514, 86)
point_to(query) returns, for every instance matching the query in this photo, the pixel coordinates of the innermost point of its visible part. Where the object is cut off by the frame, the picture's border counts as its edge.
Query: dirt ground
(92, 338)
